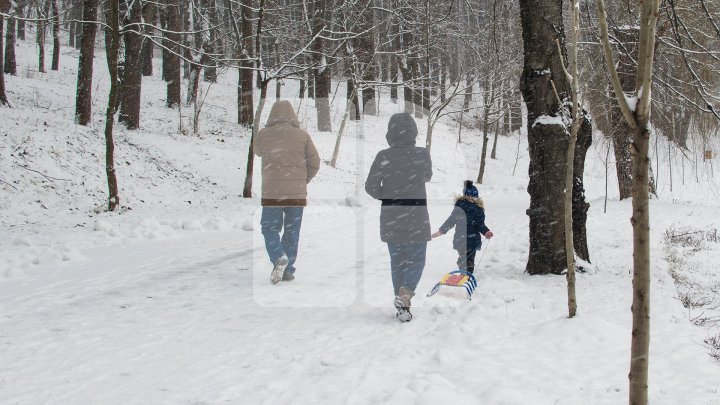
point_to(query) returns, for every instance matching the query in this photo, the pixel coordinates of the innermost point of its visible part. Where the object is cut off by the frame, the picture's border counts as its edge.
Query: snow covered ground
(169, 302)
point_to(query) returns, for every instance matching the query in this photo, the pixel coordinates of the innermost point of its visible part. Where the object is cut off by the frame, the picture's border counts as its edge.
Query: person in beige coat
(289, 162)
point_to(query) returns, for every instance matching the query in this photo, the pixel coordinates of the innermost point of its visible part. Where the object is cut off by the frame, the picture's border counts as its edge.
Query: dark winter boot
(288, 276)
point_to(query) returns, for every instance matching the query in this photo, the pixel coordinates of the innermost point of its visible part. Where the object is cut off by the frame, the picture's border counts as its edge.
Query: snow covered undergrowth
(170, 300)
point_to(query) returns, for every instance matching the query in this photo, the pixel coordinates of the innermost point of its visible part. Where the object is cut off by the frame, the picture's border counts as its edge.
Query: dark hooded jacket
(468, 219)
(289, 158)
(397, 177)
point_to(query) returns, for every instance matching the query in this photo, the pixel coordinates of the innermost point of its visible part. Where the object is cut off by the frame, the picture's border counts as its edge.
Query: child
(468, 218)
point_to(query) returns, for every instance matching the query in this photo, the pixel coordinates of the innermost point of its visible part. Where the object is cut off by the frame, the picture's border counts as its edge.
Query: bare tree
(83, 98)
(638, 117)
(171, 62)
(131, 81)
(112, 49)
(10, 66)
(320, 21)
(56, 35)
(40, 32)
(4, 8)
(546, 89)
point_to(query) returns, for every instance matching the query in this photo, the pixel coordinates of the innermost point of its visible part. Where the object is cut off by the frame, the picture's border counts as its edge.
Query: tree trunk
(580, 206)
(199, 59)
(149, 11)
(468, 93)
(172, 60)
(56, 35)
(40, 36)
(621, 131)
(366, 56)
(83, 99)
(487, 101)
(350, 108)
(245, 101)
(393, 78)
(4, 7)
(21, 23)
(247, 187)
(353, 107)
(417, 88)
(322, 71)
(10, 65)
(210, 71)
(541, 80)
(311, 83)
(112, 45)
(407, 88)
(131, 83)
(163, 20)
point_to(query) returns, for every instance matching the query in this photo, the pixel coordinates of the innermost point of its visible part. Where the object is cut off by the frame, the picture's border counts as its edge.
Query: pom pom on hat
(469, 190)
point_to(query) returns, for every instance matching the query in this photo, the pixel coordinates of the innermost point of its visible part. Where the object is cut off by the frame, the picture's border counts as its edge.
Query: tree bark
(542, 83)
(56, 35)
(131, 84)
(199, 60)
(149, 16)
(247, 187)
(10, 65)
(172, 60)
(40, 36)
(245, 101)
(112, 45)
(365, 49)
(353, 107)
(4, 7)
(210, 71)
(621, 131)
(21, 23)
(322, 71)
(83, 99)
(487, 101)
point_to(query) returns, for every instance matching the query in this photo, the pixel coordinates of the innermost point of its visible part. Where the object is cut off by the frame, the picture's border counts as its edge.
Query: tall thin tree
(639, 120)
(83, 98)
(56, 35)
(112, 49)
(131, 87)
(4, 7)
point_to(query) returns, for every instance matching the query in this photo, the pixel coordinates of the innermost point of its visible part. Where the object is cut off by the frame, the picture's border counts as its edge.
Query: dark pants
(407, 262)
(285, 219)
(466, 260)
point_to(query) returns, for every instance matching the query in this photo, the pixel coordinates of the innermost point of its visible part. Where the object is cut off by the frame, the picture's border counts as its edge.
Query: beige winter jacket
(289, 158)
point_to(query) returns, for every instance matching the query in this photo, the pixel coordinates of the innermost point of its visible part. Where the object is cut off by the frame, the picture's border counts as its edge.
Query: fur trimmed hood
(475, 200)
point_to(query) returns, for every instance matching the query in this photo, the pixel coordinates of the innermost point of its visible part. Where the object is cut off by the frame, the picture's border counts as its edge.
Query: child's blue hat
(469, 190)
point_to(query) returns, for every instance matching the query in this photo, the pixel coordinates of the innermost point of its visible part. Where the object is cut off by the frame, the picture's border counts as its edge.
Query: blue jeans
(285, 219)
(407, 262)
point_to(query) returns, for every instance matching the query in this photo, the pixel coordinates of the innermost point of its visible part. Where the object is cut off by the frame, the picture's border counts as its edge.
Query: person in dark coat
(397, 178)
(468, 219)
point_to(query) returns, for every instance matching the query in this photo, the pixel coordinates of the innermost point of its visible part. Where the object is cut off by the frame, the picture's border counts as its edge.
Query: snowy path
(194, 320)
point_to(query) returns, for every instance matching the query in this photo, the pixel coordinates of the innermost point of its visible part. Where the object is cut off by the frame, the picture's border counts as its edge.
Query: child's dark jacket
(468, 218)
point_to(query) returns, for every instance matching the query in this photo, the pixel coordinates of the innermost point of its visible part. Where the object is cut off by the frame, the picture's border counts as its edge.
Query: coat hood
(474, 200)
(282, 113)
(402, 130)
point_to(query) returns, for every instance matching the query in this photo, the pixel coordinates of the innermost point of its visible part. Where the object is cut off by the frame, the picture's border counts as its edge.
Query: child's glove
(488, 234)
(436, 234)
